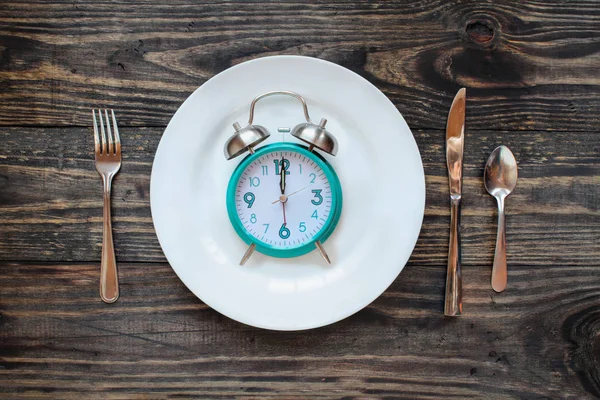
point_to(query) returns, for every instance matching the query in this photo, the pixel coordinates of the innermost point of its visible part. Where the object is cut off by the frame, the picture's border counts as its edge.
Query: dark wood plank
(51, 198)
(528, 65)
(536, 340)
(531, 69)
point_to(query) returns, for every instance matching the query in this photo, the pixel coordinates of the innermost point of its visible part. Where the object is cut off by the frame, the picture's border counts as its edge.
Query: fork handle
(109, 281)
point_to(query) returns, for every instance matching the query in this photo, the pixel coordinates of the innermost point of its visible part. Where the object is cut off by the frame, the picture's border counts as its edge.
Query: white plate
(378, 164)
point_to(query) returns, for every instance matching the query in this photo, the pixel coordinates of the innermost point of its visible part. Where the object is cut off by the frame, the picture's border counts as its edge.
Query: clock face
(284, 198)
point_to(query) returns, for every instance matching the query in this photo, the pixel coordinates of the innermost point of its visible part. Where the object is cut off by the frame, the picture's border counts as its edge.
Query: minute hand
(291, 194)
(282, 174)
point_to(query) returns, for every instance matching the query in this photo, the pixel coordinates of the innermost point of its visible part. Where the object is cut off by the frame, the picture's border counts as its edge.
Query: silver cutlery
(455, 131)
(500, 178)
(107, 150)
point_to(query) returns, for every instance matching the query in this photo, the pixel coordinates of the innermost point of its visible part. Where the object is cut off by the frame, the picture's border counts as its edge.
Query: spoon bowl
(500, 175)
(500, 179)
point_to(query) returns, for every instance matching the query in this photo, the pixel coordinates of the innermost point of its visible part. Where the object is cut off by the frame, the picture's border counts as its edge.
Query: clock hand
(284, 220)
(284, 198)
(282, 176)
(282, 187)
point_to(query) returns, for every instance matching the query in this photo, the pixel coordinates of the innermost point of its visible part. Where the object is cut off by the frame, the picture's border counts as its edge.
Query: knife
(455, 132)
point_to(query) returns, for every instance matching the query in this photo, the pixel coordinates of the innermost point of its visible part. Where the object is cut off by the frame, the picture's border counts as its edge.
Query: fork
(107, 150)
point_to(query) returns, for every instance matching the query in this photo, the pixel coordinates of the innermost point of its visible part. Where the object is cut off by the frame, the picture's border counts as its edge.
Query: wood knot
(480, 31)
(582, 332)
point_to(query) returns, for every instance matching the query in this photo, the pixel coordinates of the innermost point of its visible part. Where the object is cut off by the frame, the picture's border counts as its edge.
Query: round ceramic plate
(380, 171)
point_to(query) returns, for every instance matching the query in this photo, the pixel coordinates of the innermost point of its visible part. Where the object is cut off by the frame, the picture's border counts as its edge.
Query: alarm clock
(283, 199)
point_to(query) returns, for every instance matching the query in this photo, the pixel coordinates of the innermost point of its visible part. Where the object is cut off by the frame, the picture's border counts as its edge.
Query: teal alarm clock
(283, 199)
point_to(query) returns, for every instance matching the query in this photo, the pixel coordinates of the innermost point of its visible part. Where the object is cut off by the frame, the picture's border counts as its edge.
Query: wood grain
(51, 198)
(531, 69)
(532, 341)
(528, 66)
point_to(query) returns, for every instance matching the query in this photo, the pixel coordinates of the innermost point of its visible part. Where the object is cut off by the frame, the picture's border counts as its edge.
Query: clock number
(302, 227)
(254, 181)
(313, 176)
(253, 218)
(284, 232)
(300, 165)
(286, 166)
(314, 215)
(266, 227)
(249, 199)
(265, 170)
(318, 197)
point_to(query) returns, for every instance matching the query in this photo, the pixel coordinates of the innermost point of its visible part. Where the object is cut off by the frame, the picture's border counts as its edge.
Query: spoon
(500, 178)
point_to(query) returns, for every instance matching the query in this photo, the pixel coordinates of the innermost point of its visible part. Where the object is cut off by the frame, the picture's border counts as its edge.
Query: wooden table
(532, 73)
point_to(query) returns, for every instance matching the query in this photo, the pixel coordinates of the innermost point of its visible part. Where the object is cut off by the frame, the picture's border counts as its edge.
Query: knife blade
(455, 133)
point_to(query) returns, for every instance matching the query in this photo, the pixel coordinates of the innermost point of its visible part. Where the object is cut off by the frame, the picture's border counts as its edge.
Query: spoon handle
(499, 272)
(453, 302)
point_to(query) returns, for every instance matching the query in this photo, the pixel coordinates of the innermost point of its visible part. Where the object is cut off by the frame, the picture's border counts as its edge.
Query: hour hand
(282, 177)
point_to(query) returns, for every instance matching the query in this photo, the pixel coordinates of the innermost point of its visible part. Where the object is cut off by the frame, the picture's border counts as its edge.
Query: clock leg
(323, 252)
(247, 254)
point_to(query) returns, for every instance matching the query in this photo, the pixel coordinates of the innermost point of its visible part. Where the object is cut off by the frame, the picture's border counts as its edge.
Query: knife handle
(453, 302)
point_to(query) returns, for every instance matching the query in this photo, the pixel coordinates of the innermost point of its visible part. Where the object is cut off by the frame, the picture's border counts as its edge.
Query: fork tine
(96, 136)
(103, 133)
(116, 131)
(109, 133)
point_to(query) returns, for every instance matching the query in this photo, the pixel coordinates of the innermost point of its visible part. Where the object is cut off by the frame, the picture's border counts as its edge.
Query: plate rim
(351, 310)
